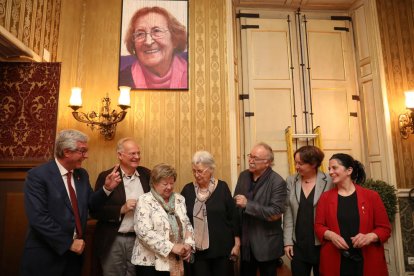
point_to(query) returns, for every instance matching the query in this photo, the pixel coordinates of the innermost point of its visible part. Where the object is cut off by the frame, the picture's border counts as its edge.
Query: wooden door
(298, 72)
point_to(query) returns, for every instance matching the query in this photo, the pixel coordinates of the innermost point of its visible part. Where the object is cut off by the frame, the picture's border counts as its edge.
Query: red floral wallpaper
(28, 112)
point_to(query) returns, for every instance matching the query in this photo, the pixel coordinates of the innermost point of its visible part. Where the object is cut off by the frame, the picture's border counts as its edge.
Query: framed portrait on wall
(153, 51)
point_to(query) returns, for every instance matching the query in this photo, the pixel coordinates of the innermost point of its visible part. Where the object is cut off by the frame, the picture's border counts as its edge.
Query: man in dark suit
(114, 234)
(57, 198)
(260, 195)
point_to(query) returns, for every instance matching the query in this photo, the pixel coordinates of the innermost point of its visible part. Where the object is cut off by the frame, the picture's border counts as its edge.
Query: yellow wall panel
(169, 125)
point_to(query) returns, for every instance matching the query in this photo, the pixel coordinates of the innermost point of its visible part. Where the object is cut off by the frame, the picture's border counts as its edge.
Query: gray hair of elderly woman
(67, 139)
(205, 158)
(162, 171)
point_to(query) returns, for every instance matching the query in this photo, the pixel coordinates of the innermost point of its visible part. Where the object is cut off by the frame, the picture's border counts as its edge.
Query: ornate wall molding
(33, 22)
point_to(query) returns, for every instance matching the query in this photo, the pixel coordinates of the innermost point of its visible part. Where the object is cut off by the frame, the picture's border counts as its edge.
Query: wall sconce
(106, 120)
(406, 120)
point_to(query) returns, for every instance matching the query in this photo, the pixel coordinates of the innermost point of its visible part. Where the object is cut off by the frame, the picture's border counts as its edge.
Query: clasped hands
(358, 241)
(182, 250)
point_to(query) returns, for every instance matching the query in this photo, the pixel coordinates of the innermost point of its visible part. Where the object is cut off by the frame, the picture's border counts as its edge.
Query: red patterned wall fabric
(28, 112)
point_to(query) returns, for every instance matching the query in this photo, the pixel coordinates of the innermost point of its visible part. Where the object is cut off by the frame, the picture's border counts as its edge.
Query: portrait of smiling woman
(157, 44)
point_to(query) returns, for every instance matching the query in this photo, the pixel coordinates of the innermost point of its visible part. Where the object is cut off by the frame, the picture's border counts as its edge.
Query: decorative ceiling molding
(294, 4)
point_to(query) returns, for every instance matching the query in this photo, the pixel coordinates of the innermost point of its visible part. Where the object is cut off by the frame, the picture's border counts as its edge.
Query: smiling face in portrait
(153, 43)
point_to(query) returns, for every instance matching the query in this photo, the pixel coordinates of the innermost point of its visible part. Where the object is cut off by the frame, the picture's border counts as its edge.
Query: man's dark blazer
(108, 215)
(51, 219)
(269, 199)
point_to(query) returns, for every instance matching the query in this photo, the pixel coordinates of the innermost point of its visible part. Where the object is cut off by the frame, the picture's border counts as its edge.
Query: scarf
(176, 77)
(201, 234)
(176, 233)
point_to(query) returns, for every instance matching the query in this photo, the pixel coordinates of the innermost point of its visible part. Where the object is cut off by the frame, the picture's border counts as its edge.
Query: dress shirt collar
(134, 175)
(62, 169)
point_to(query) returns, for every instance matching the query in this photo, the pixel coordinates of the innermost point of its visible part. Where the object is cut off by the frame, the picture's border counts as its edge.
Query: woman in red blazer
(351, 223)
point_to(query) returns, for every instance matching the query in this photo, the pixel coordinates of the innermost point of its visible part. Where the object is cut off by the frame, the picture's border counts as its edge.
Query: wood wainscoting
(13, 227)
(13, 221)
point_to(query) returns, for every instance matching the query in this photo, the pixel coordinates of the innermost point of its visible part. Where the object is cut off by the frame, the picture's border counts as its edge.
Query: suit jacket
(269, 199)
(372, 218)
(51, 218)
(108, 214)
(294, 186)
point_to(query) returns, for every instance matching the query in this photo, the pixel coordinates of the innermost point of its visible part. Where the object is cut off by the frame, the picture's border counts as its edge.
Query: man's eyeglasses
(155, 33)
(132, 154)
(255, 158)
(199, 172)
(82, 151)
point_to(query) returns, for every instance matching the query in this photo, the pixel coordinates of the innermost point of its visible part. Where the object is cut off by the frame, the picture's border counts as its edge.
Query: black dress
(348, 220)
(304, 247)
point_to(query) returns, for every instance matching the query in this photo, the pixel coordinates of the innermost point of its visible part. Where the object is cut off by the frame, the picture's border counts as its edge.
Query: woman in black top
(212, 212)
(305, 187)
(351, 223)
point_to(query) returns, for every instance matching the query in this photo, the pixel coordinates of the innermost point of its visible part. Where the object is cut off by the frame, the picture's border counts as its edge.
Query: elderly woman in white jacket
(304, 188)
(165, 236)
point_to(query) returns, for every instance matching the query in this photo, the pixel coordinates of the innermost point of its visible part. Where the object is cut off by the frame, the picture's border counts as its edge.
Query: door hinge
(250, 27)
(248, 114)
(243, 96)
(339, 17)
(247, 15)
(353, 114)
(341, 29)
(356, 98)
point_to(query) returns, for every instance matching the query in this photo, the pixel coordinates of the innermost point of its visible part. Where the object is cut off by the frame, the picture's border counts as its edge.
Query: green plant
(388, 194)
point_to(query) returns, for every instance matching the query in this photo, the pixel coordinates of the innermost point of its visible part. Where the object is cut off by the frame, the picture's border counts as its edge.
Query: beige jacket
(323, 184)
(152, 244)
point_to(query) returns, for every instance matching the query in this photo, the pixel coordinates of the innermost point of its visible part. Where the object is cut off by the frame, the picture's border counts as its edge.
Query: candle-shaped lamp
(124, 100)
(75, 101)
(409, 99)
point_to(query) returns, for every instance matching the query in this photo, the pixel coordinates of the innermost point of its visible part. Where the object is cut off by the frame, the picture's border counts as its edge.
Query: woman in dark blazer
(351, 223)
(212, 212)
(304, 188)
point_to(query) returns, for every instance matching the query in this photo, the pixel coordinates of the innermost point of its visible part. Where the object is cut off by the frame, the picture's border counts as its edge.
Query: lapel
(333, 209)
(157, 206)
(298, 187)
(362, 208)
(120, 189)
(144, 180)
(60, 185)
(261, 181)
(320, 186)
